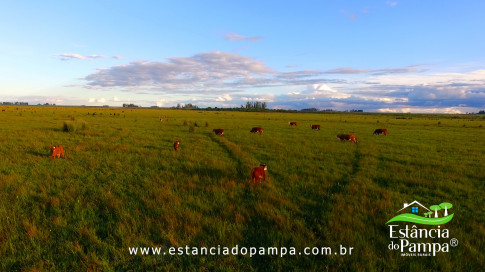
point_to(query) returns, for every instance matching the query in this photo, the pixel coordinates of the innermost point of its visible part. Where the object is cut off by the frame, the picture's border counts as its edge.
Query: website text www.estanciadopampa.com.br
(236, 250)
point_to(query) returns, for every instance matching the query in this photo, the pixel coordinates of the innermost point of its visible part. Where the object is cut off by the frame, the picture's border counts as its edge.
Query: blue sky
(379, 56)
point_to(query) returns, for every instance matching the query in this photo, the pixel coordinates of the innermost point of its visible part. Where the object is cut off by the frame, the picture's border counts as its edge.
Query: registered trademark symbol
(453, 242)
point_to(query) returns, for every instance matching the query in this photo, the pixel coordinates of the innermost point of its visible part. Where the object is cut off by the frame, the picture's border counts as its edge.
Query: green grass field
(122, 185)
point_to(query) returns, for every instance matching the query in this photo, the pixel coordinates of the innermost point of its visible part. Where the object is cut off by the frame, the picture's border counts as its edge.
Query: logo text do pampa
(427, 236)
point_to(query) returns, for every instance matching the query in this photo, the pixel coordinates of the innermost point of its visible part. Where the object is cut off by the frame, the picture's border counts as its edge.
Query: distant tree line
(130, 105)
(256, 105)
(15, 103)
(186, 106)
(310, 109)
(481, 112)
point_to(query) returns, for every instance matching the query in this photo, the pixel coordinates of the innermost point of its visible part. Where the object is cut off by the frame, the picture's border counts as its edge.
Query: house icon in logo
(414, 207)
(410, 213)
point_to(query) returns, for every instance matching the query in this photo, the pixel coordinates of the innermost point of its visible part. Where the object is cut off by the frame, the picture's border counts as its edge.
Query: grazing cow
(348, 137)
(218, 131)
(292, 124)
(176, 145)
(259, 173)
(380, 131)
(315, 127)
(57, 151)
(257, 129)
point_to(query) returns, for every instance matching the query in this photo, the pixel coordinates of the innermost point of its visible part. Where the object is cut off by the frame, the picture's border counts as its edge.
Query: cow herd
(257, 173)
(342, 137)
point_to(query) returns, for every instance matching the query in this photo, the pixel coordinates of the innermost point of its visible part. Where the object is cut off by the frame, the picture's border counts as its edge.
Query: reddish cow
(292, 124)
(380, 131)
(348, 137)
(57, 151)
(315, 127)
(257, 129)
(218, 131)
(259, 173)
(176, 145)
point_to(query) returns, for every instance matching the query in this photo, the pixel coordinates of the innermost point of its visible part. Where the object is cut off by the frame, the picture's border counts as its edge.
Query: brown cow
(259, 173)
(292, 124)
(57, 151)
(176, 145)
(218, 131)
(315, 127)
(348, 137)
(257, 129)
(380, 131)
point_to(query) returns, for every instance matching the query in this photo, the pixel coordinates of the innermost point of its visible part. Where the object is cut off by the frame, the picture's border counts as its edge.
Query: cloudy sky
(375, 55)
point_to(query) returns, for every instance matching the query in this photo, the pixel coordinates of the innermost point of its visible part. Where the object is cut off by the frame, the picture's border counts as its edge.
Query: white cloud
(413, 109)
(225, 97)
(95, 57)
(318, 91)
(238, 37)
(349, 70)
(203, 71)
(259, 97)
(94, 100)
(391, 3)
(69, 56)
(474, 77)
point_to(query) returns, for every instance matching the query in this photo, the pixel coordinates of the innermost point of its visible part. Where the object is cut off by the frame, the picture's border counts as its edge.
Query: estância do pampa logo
(421, 241)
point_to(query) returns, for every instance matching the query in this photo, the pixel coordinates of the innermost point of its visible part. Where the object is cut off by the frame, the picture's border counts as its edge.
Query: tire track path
(318, 211)
(245, 162)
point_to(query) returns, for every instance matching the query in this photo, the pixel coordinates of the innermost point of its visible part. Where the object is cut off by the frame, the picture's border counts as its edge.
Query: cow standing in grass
(315, 127)
(380, 131)
(292, 124)
(176, 145)
(218, 131)
(347, 137)
(57, 151)
(257, 129)
(259, 173)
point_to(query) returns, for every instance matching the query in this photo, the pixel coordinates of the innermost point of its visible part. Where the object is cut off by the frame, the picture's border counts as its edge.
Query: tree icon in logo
(446, 206)
(435, 208)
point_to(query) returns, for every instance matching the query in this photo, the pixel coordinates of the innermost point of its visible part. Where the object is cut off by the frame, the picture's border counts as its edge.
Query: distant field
(122, 185)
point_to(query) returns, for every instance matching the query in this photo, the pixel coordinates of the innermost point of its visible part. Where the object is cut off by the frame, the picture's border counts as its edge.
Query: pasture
(121, 185)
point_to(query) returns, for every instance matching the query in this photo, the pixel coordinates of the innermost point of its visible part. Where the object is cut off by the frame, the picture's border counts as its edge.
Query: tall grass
(122, 185)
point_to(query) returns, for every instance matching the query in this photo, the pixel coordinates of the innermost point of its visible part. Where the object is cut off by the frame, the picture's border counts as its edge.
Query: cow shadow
(38, 153)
